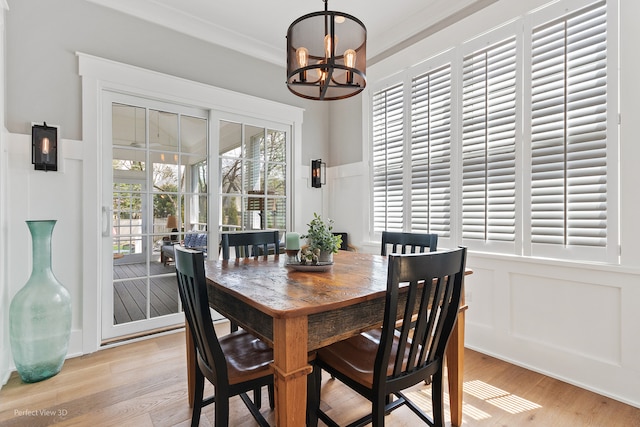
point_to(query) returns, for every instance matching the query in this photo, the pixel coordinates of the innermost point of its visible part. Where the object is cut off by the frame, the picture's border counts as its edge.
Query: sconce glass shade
(326, 56)
(318, 173)
(44, 147)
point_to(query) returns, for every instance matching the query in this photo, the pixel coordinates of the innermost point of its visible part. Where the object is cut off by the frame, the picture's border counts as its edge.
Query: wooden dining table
(297, 312)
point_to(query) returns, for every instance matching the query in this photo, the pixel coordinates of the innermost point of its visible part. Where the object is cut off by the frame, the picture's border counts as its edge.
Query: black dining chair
(234, 364)
(408, 242)
(378, 364)
(345, 245)
(250, 244)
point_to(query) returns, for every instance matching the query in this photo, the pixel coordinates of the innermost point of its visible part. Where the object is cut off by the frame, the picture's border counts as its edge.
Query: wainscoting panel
(345, 199)
(549, 312)
(480, 292)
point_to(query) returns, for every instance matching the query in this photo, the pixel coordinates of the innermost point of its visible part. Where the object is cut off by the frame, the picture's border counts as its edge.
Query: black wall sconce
(44, 147)
(318, 173)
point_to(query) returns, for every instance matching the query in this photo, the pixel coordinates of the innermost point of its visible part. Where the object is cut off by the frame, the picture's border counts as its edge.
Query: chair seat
(247, 356)
(355, 356)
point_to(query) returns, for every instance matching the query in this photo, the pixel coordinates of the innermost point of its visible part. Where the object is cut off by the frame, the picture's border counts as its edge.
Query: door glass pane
(165, 172)
(129, 300)
(231, 172)
(163, 131)
(230, 139)
(198, 208)
(276, 179)
(276, 146)
(253, 176)
(199, 177)
(127, 219)
(276, 217)
(129, 126)
(231, 213)
(253, 142)
(193, 135)
(253, 213)
(163, 293)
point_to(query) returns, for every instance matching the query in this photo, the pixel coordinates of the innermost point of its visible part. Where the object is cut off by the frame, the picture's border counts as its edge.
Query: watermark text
(40, 412)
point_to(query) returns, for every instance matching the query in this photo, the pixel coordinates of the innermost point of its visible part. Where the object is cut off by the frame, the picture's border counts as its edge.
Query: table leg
(455, 368)
(290, 370)
(191, 363)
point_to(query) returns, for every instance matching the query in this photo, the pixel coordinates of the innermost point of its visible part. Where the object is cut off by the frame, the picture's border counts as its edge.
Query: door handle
(106, 221)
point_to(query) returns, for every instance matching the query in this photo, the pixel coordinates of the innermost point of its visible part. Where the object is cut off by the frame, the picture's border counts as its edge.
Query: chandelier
(326, 55)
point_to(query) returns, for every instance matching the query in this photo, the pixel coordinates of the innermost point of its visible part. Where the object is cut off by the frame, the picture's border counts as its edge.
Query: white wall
(573, 321)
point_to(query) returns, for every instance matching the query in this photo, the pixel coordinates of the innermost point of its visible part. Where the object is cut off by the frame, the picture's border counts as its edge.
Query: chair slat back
(192, 287)
(250, 243)
(432, 285)
(408, 242)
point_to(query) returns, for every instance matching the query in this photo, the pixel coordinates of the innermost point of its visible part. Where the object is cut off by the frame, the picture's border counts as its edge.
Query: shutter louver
(569, 130)
(431, 152)
(388, 146)
(488, 143)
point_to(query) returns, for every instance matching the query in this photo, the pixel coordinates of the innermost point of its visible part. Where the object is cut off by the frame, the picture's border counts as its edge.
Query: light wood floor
(144, 384)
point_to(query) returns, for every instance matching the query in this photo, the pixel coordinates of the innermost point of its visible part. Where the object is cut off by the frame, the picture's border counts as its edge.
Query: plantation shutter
(569, 130)
(488, 143)
(388, 138)
(431, 152)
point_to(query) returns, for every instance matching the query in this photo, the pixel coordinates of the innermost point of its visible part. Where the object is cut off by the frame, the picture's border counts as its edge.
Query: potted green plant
(322, 242)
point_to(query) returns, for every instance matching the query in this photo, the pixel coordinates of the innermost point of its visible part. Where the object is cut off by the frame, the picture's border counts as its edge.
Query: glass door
(154, 194)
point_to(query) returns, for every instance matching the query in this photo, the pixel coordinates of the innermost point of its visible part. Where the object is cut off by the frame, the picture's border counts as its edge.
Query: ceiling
(258, 27)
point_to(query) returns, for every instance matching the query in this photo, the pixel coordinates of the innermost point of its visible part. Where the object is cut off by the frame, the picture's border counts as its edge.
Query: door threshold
(124, 339)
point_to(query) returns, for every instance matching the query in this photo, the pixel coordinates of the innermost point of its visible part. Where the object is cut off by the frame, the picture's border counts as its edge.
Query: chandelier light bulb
(350, 58)
(302, 53)
(329, 45)
(350, 61)
(323, 76)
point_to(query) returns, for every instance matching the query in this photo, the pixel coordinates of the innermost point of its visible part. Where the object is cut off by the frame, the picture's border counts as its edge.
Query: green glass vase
(40, 314)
